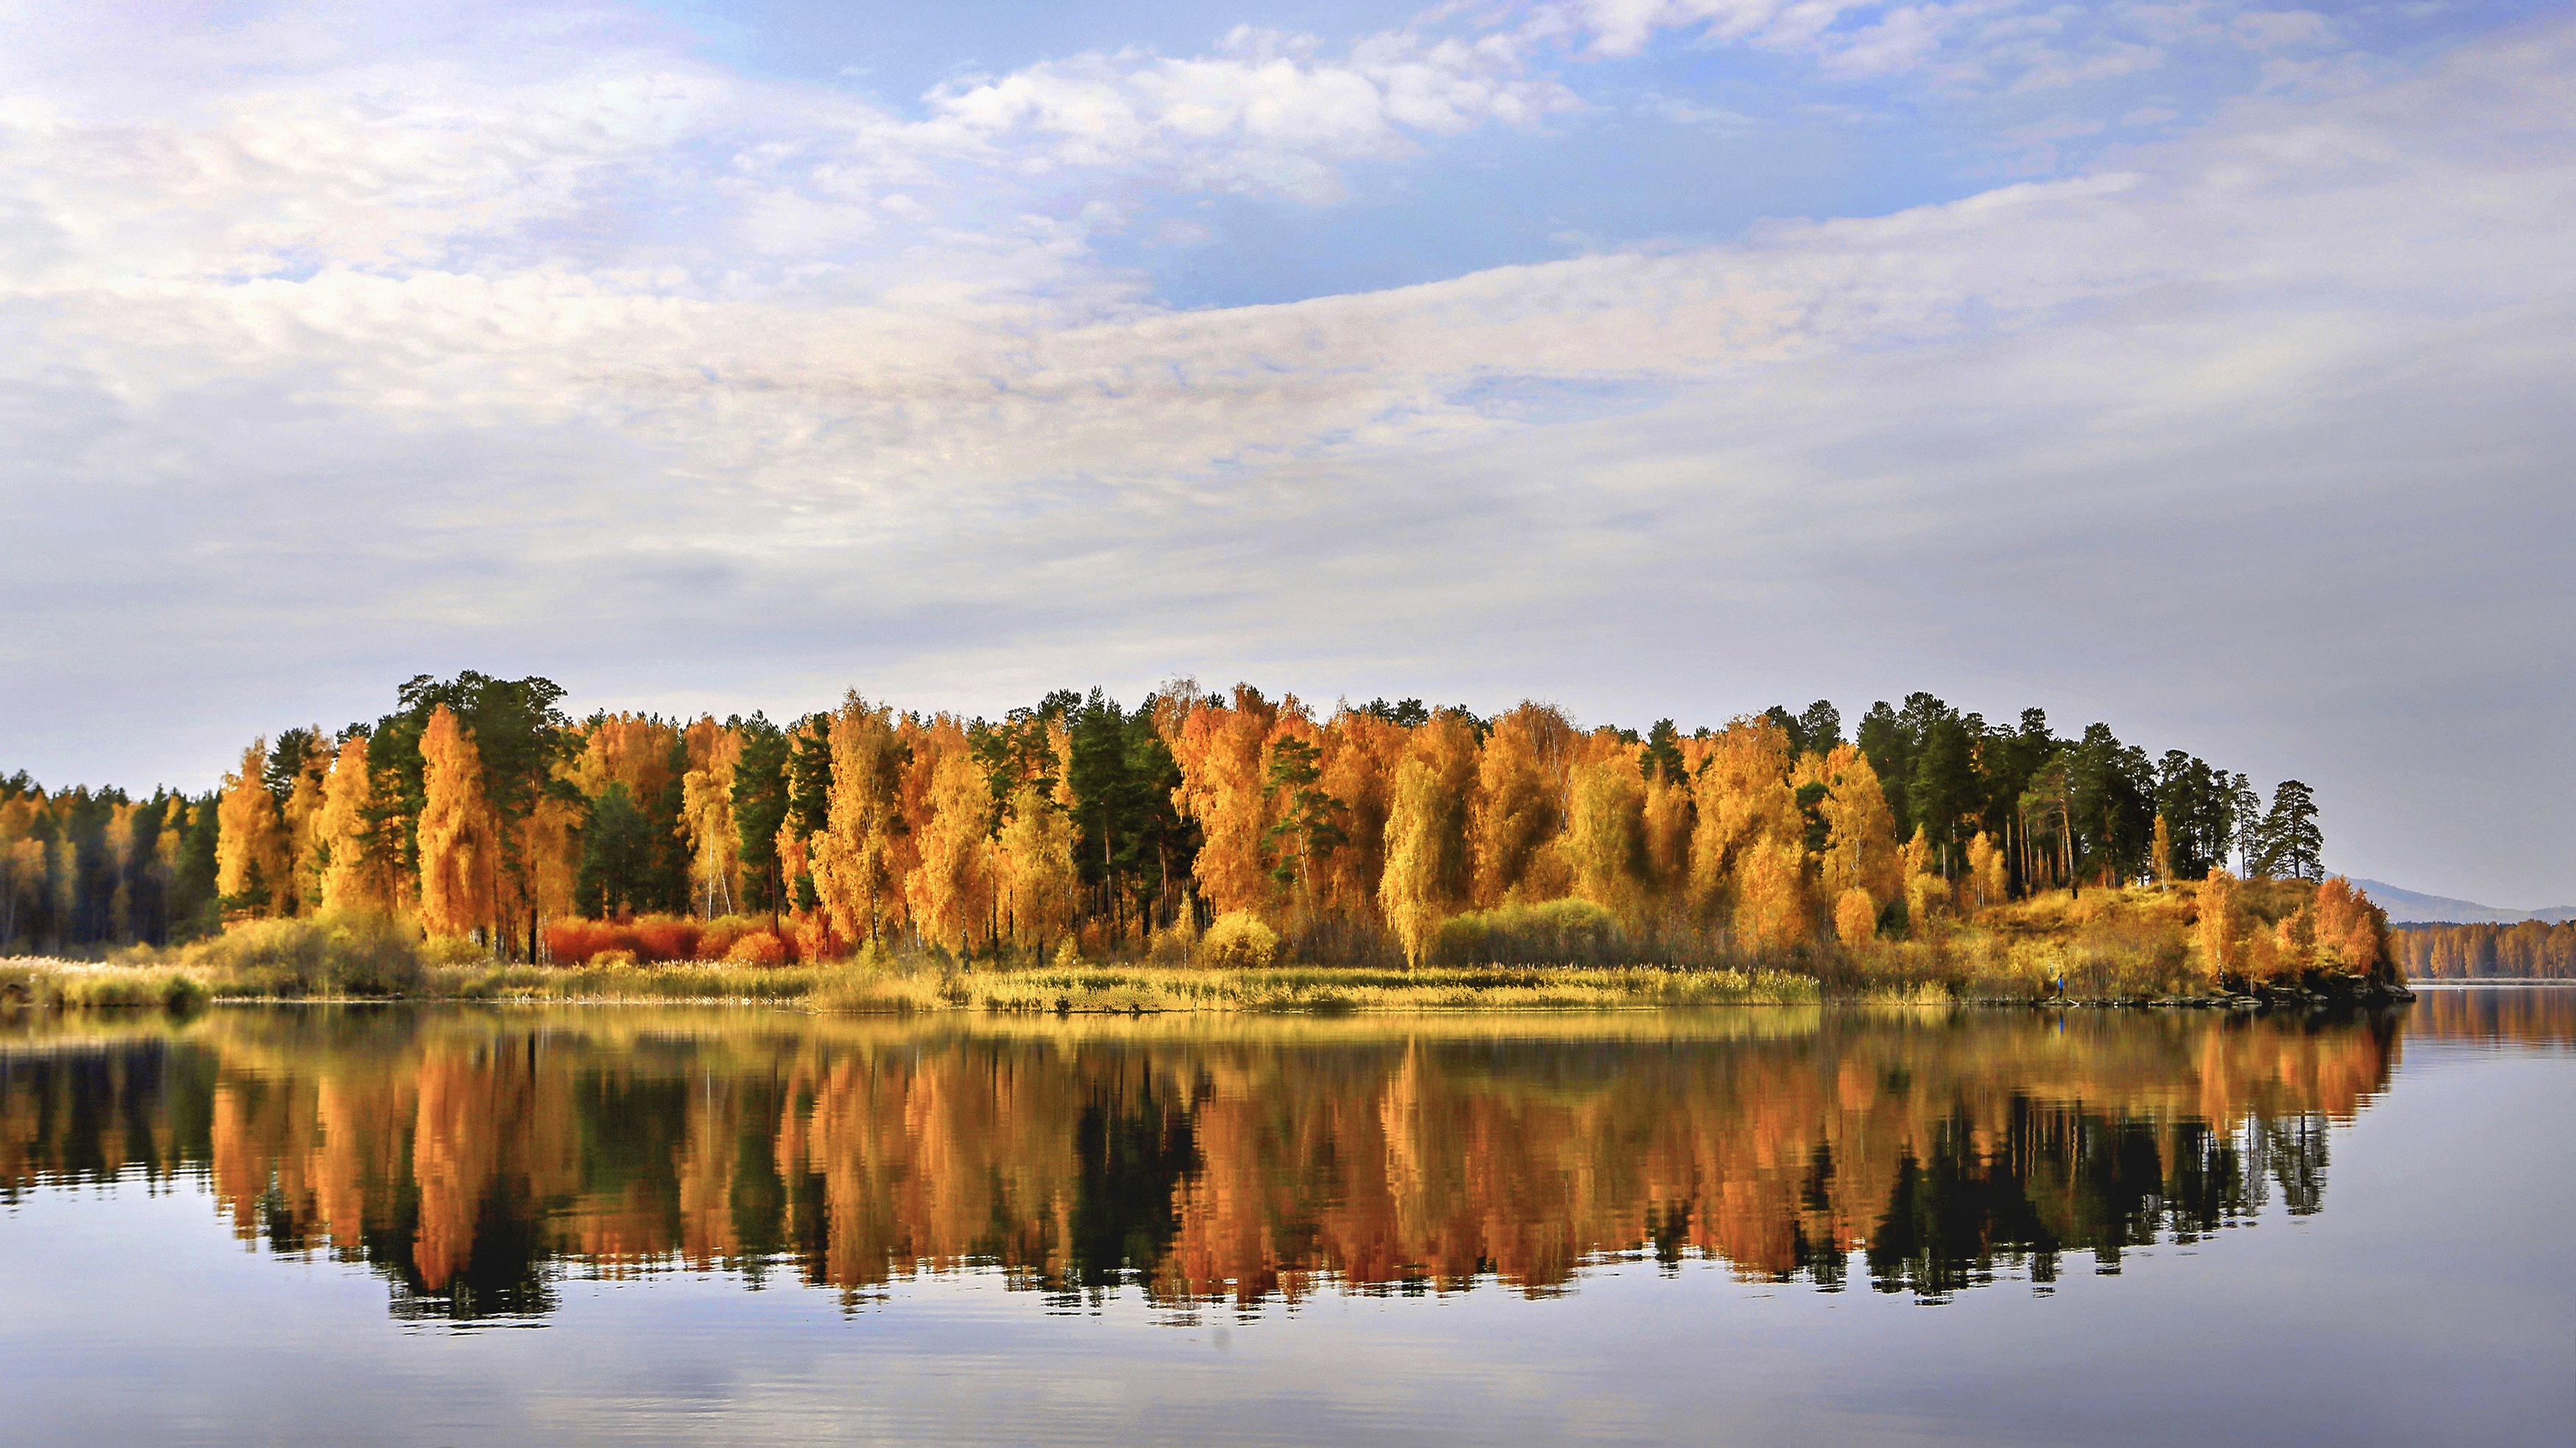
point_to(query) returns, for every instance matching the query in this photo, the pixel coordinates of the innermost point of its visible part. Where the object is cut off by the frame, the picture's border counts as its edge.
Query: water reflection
(2517, 1015)
(476, 1157)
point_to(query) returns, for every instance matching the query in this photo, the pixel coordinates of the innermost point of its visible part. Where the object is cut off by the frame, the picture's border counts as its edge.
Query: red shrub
(665, 937)
(573, 940)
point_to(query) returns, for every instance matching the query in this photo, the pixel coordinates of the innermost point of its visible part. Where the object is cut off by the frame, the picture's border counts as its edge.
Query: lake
(449, 1224)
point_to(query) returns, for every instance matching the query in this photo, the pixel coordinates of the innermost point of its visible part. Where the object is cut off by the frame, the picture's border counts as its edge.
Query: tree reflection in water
(479, 1157)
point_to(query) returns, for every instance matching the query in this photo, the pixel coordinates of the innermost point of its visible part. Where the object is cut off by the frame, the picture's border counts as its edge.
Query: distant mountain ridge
(2406, 907)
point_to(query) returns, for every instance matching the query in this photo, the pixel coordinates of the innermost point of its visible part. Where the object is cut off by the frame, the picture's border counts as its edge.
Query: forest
(2531, 950)
(478, 809)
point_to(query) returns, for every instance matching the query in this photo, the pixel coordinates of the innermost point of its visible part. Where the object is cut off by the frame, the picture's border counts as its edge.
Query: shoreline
(1111, 990)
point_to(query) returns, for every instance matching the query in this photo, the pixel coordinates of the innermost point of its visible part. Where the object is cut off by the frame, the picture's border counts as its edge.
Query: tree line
(2530, 949)
(478, 807)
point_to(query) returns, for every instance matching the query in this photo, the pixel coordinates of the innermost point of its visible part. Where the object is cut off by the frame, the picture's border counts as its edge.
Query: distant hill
(2406, 907)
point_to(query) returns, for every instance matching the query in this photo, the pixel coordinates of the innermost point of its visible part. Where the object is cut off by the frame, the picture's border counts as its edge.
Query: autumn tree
(853, 854)
(303, 779)
(518, 736)
(1746, 810)
(456, 830)
(1771, 904)
(1218, 750)
(1035, 868)
(1361, 755)
(706, 815)
(1985, 882)
(357, 868)
(1518, 810)
(953, 893)
(251, 864)
(1860, 846)
(1927, 894)
(2350, 931)
(2215, 927)
(1427, 868)
(1666, 820)
(1605, 834)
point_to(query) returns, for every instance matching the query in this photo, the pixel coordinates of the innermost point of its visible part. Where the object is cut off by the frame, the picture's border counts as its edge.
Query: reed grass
(66, 983)
(1118, 988)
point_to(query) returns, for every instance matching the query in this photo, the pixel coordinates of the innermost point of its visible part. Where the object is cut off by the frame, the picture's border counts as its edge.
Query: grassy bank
(902, 986)
(2100, 946)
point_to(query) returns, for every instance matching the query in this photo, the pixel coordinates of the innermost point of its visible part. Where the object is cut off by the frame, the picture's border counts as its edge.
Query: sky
(2198, 368)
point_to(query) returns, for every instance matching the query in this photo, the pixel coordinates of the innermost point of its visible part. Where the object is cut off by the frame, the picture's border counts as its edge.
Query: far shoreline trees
(478, 808)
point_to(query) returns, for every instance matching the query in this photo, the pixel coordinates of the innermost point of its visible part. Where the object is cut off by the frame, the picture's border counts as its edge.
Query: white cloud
(1266, 114)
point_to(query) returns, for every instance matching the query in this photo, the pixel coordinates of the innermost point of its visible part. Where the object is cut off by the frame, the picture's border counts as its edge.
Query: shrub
(1239, 941)
(573, 941)
(716, 938)
(1172, 944)
(665, 937)
(453, 950)
(1556, 932)
(346, 953)
(759, 947)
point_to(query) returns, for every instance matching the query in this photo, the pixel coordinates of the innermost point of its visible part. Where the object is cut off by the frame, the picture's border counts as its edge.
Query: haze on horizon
(2194, 367)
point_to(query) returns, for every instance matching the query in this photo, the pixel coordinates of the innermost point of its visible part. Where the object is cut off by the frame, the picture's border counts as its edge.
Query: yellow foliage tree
(1927, 894)
(1771, 897)
(356, 874)
(1985, 884)
(1745, 807)
(1518, 806)
(706, 822)
(2220, 953)
(1036, 868)
(1666, 819)
(952, 893)
(302, 821)
(636, 750)
(1605, 835)
(852, 855)
(1855, 917)
(458, 855)
(550, 844)
(1860, 841)
(252, 869)
(1427, 869)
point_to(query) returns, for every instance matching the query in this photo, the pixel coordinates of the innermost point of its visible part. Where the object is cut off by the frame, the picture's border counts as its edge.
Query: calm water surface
(454, 1225)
